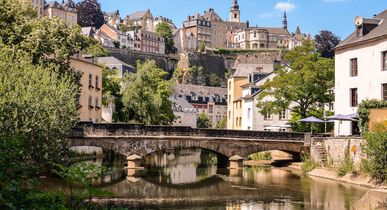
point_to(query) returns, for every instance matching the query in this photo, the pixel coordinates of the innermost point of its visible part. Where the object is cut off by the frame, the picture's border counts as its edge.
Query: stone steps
(320, 150)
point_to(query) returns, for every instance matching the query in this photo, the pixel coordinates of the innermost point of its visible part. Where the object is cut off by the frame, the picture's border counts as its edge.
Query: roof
(185, 89)
(245, 69)
(137, 15)
(69, 6)
(178, 101)
(88, 31)
(298, 30)
(112, 61)
(275, 30)
(211, 15)
(379, 31)
(53, 4)
(250, 97)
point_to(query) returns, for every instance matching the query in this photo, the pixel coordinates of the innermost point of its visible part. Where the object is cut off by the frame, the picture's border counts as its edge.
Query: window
(267, 115)
(384, 92)
(90, 80)
(229, 114)
(96, 102)
(384, 61)
(90, 102)
(331, 107)
(96, 82)
(353, 67)
(248, 113)
(282, 115)
(353, 92)
(210, 109)
(229, 85)
(194, 96)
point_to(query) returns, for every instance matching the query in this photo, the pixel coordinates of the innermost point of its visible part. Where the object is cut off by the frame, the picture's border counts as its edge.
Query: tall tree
(90, 14)
(326, 42)
(203, 121)
(146, 95)
(165, 31)
(305, 83)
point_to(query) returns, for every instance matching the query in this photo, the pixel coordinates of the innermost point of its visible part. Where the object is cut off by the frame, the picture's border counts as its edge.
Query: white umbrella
(312, 120)
(341, 117)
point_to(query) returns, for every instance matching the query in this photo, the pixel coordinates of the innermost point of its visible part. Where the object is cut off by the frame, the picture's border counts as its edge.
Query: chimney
(247, 24)
(365, 25)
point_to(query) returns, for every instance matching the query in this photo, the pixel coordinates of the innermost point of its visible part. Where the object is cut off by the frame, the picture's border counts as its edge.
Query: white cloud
(285, 6)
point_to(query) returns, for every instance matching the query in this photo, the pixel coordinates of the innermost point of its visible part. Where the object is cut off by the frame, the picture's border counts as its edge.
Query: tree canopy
(203, 121)
(90, 14)
(146, 95)
(326, 42)
(304, 83)
(165, 31)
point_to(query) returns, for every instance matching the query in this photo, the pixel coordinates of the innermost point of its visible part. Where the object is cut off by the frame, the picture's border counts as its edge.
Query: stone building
(297, 38)
(90, 98)
(114, 63)
(161, 19)
(122, 39)
(360, 69)
(65, 11)
(113, 19)
(38, 5)
(142, 19)
(186, 113)
(212, 101)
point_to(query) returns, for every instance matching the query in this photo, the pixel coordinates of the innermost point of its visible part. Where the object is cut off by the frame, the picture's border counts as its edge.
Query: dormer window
(194, 97)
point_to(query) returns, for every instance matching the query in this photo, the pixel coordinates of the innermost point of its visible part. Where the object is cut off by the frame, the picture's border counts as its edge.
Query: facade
(90, 98)
(142, 19)
(65, 11)
(212, 101)
(186, 113)
(161, 19)
(38, 6)
(360, 69)
(150, 42)
(113, 19)
(115, 35)
(114, 63)
(262, 37)
(297, 38)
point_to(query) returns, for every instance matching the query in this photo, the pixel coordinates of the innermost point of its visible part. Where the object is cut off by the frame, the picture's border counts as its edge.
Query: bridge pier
(236, 162)
(134, 162)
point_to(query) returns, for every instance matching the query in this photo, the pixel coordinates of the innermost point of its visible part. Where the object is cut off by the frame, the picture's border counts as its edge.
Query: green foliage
(222, 51)
(307, 164)
(202, 47)
(95, 49)
(203, 121)
(129, 27)
(146, 95)
(222, 124)
(165, 31)
(213, 80)
(306, 127)
(376, 150)
(111, 85)
(90, 13)
(194, 75)
(35, 103)
(363, 112)
(305, 84)
(260, 156)
(347, 165)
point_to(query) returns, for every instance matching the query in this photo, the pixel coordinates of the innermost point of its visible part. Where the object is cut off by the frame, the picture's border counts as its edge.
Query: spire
(285, 21)
(235, 5)
(298, 30)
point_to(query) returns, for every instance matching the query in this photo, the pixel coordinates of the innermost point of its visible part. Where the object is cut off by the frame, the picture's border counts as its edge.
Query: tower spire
(285, 21)
(235, 12)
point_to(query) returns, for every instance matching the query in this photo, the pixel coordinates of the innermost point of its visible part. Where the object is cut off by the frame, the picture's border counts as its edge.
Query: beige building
(142, 19)
(185, 113)
(38, 5)
(113, 19)
(123, 40)
(65, 11)
(161, 19)
(90, 98)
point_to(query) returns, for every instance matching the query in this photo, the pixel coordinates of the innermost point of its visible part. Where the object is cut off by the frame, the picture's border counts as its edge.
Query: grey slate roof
(112, 61)
(178, 101)
(380, 30)
(137, 15)
(185, 89)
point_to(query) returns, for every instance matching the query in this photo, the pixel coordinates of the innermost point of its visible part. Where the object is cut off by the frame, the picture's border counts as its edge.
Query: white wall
(368, 82)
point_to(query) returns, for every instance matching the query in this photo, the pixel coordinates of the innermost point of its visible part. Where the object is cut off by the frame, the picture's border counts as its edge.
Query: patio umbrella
(341, 117)
(312, 120)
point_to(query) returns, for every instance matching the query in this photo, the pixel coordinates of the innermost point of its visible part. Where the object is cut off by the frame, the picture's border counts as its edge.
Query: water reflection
(188, 179)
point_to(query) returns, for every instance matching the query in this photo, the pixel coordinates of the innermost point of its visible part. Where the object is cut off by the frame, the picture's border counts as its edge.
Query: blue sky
(311, 15)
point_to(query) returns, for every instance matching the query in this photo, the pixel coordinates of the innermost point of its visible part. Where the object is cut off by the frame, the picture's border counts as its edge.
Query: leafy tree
(146, 95)
(165, 31)
(36, 104)
(213, 80)
(111, 85)
(90, 14)
(326, 42)
(304, 84)
(222, 124)
(203, 121)
(95, 49)
(202, 47)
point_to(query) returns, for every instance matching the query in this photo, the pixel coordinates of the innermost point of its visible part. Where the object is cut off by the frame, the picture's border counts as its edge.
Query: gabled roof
(379, 31)
(112, 61)
(211, 15)
(53, 4)
(137, 15)
(275, 30)
(88, 31)
(298, 30)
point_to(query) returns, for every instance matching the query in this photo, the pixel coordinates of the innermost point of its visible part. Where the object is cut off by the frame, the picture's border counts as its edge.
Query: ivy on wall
(364, 112)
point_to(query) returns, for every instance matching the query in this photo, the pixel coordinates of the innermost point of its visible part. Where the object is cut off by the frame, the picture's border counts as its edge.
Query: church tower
(285, 22)
(235, 13)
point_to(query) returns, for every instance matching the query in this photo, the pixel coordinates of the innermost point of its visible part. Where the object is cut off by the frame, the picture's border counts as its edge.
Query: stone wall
(335, 149)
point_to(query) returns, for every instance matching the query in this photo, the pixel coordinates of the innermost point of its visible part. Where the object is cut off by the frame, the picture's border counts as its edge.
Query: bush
(347, 166)
(364, 112)
(261, 156)
(376, 150)
(307, 164)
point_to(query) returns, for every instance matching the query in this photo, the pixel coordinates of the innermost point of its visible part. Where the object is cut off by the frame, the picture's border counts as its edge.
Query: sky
(311, 15)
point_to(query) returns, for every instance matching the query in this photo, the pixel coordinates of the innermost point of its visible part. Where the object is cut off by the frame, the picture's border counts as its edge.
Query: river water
(190, 179)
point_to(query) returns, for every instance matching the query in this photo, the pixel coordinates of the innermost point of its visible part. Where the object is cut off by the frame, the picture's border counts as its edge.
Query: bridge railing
(123, 130)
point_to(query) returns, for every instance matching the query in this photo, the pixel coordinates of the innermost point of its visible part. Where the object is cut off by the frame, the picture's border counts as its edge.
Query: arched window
(90, 102)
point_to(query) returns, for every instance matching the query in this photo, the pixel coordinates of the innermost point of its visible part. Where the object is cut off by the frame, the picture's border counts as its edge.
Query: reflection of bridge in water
(130, 139)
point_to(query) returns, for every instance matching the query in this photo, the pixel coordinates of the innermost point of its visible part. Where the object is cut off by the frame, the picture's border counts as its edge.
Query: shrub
(347, 165)
(376, 150)
(364, 112)
(307, 164)
(261, 156)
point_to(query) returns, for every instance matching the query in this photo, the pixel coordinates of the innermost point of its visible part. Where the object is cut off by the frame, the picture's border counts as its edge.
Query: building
(262, 37)
(113, 19)
(142, 19)
(90, 98)
(212, 101)
(360, 68)
(161, 19)
(121, 39)
(38, 5)
(212, 30)
(65, 11)
(114, 63)
(150, 42)
(186, 113)
(297, 38)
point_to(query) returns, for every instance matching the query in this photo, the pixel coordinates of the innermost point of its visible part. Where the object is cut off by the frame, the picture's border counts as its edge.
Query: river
(190, 179)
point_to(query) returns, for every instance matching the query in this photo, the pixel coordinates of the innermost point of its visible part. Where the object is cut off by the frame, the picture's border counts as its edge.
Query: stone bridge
(130, 139)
